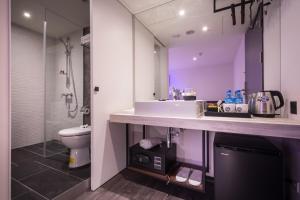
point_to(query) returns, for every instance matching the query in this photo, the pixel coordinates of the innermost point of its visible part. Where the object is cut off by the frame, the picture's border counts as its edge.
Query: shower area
(50, 84)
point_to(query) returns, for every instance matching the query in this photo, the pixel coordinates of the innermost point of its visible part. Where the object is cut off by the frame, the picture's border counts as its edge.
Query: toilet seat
(76, 131)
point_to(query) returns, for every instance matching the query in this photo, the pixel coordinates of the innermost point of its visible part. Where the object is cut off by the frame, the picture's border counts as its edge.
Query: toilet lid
(76, 131)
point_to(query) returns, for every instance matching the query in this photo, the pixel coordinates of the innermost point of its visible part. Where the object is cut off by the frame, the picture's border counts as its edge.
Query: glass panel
(64, 80)
(27, 77)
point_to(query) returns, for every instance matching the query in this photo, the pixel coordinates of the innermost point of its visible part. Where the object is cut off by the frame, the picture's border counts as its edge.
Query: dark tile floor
(132, 185)
(38, 178)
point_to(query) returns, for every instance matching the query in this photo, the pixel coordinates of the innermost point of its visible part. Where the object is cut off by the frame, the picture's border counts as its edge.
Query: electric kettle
(263, 104)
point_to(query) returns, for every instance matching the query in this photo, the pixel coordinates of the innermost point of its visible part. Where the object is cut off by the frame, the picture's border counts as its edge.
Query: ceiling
(162, 19)
(63, 16)
(221, 40)
(207, 55)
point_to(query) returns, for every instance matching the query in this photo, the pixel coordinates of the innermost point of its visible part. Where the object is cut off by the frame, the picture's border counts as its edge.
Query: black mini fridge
(247, 168)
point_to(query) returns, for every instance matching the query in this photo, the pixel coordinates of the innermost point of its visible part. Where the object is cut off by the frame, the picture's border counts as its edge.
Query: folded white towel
(150, 142)
(195, 177)
(183, 174)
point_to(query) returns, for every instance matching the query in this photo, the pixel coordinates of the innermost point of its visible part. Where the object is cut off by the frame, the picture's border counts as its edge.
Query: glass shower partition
(63, 64)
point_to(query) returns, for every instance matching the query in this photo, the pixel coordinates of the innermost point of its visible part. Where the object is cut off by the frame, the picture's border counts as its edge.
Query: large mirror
(204, 45)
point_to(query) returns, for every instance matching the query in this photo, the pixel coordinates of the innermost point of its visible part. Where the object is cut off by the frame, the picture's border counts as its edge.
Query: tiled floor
(132, 185)
(38, 178)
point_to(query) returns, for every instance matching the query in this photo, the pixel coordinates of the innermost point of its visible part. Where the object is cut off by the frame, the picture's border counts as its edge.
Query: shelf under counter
(270, 127)
(170, 177)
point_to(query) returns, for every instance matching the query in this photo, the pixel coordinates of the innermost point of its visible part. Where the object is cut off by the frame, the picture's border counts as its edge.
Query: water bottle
(238, 97)
(229, 98)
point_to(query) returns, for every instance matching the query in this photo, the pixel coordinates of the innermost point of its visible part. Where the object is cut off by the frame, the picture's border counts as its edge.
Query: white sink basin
(170, 108)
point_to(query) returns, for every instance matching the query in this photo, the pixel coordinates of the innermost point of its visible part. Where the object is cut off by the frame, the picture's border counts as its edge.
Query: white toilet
(78, 139)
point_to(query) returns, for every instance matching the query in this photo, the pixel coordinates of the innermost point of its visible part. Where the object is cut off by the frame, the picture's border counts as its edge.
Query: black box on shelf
(158, 159)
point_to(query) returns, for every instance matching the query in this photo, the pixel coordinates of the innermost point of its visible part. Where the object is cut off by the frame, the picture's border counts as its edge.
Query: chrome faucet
(176, 93)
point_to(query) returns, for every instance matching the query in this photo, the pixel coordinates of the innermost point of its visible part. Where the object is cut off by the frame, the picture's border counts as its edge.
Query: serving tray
(227, 114)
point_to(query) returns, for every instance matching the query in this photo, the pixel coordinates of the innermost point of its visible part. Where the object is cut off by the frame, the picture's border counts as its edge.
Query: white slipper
(195, 177)
(183, 174)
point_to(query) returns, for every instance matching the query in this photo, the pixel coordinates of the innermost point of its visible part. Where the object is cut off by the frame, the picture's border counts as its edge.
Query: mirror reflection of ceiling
(162, 18)
(63, 16)
(221, 40)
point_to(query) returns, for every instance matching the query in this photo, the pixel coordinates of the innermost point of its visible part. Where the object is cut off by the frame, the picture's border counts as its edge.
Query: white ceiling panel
(221, 51)
(62, 16)
(220, 41)
(136, 6)
(164, 21)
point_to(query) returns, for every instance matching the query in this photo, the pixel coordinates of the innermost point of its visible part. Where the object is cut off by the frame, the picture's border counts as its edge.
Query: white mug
(229, 107)
(241, 108)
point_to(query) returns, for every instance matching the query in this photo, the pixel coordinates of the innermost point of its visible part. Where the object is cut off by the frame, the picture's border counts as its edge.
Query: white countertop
(274, 127)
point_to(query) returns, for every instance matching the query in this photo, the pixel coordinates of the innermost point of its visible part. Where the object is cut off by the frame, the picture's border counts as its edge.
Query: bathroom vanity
(268, 127)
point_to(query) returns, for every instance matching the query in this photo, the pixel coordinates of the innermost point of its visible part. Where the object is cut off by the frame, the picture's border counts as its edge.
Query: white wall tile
(28, 88)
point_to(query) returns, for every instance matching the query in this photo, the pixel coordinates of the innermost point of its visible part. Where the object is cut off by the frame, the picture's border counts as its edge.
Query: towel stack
(150, 143)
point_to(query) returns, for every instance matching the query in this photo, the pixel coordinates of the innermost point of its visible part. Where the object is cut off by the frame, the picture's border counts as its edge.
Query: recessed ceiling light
(27, 14)
(195, 59)
(181, 12)
(204, 28)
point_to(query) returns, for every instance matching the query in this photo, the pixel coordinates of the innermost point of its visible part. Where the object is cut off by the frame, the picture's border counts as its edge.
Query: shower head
(66, 43)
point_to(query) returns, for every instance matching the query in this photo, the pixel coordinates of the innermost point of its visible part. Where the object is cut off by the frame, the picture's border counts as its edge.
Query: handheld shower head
(65, 43)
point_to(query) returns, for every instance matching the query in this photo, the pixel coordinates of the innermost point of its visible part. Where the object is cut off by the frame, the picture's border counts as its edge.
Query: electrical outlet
(293, 107)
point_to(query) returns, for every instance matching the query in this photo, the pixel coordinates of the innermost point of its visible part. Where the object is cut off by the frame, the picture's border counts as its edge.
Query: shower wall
(56, 110)
(28, 87)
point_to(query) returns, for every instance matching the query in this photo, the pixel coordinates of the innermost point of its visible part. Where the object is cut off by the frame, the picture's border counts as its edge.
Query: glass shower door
(63, 80)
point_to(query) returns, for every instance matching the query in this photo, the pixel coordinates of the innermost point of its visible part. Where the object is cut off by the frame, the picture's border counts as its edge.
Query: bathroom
(50, 84)
(114, 73)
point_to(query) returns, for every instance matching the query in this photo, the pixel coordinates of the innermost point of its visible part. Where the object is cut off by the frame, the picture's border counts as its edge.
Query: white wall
(4, 101)
(164, 73)
(272, 48)
(112, 71)
(210, 82)
(281, 38)
(56, 110)
(27, 87)
(144, 63)
(239, 66)
(290, 48)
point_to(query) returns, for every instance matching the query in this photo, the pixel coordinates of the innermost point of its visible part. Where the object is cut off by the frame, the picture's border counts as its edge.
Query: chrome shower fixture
(62, 72)
(68, 72)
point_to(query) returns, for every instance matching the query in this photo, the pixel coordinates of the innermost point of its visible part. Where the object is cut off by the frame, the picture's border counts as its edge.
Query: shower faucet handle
(66, 95)
(62, 72)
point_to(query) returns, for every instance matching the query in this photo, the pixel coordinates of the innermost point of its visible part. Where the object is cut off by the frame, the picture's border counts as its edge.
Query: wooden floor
(132, 185)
